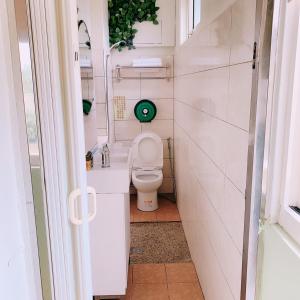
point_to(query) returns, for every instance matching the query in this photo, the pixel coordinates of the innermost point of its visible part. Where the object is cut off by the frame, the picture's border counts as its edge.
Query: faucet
(105, 157)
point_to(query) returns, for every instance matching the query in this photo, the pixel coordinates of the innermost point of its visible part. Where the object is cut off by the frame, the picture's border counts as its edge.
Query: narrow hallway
(160, 263)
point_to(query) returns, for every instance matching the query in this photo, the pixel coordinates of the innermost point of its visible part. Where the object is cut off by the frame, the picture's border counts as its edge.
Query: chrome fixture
(106, 88)
(116, 45)
(105, 157)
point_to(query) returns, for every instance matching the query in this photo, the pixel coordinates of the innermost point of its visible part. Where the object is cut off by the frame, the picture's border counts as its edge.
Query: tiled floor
(167, 212)
(172, 281)
(163, 282)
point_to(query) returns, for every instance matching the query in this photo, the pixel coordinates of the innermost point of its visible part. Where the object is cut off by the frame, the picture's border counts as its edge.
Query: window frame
(186, 15)
(283, 125)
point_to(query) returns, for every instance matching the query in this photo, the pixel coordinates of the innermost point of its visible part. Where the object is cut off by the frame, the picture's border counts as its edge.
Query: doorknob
(72, 206)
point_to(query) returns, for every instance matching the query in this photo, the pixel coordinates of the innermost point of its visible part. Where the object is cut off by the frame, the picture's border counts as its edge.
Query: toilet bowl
(147, 184)
(147, 176)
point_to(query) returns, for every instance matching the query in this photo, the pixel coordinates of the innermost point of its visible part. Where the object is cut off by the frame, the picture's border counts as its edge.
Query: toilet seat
(147, 151)
(144, 176)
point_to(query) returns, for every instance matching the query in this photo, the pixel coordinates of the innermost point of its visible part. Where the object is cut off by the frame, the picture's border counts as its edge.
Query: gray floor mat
(162, 242)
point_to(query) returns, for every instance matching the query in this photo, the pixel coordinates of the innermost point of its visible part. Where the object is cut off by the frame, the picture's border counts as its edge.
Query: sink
(116, 178)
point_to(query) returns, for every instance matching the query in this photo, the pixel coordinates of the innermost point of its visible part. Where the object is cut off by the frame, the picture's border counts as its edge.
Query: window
(194, 15)
(189, 13)
(196, 12)
(284, 177)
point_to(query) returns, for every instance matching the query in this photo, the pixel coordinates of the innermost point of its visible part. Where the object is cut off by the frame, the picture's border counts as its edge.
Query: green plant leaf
(123, 14)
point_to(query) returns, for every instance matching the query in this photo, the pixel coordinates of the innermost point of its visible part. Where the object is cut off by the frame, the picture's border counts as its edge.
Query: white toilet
(147, 164)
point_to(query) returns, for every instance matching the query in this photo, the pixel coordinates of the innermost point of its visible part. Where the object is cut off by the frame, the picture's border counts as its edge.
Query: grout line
(211, 202)
(212, 116)
(206, 154)
(212, 69)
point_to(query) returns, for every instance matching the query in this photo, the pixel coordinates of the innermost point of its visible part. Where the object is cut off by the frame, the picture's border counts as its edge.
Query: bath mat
(158, 243)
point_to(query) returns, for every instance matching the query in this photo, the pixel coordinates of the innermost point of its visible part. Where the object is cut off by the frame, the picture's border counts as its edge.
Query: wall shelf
(143, 72)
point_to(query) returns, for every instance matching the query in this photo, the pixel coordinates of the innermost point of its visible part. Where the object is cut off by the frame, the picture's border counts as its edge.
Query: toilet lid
(147, 151)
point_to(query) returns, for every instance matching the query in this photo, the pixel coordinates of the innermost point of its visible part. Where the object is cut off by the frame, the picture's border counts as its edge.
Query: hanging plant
(123, 14)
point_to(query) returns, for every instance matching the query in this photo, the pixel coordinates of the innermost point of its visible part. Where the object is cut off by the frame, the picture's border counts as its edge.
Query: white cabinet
(163, 34)
(110, 244)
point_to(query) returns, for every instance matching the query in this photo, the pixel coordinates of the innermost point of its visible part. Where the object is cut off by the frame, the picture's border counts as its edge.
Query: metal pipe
(106, 89)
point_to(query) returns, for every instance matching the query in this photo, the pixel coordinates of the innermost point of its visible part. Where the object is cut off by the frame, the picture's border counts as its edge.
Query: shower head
(116, 45)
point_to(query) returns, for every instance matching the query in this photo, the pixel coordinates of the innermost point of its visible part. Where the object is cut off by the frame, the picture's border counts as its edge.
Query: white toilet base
(147, 201)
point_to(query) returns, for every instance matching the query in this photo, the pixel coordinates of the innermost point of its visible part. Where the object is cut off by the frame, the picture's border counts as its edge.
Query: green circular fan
(145, 111)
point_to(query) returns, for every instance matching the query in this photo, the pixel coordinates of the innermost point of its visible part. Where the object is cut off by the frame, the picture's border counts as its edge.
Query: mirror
(84, 37)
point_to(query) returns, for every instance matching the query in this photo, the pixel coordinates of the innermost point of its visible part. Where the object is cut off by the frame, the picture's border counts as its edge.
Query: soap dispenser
(105, 157)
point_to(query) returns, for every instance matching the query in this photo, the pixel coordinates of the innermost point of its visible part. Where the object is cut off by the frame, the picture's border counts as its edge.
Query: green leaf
(123, 14)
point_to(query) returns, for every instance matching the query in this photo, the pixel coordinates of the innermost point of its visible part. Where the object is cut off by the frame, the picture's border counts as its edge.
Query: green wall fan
(145, 111)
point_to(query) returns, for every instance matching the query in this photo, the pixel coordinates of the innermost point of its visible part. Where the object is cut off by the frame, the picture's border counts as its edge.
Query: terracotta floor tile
(170, 214)
(166, 203)
(131, 218)
(181, 273)
(149, 273)
(150, 292)
(128, 292)
(184, 291)
(144, 216)
(167, 212)
(130, 275)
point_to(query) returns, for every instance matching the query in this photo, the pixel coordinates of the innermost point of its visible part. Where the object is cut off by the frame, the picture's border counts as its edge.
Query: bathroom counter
(110, 230)
(115, 179)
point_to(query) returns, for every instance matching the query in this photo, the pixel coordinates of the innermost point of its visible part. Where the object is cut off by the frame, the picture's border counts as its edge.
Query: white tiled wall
(212, 84)
(158, 91)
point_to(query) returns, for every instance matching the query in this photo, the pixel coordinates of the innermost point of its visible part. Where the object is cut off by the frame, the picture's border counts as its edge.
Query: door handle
(92, 214)
(72, 206)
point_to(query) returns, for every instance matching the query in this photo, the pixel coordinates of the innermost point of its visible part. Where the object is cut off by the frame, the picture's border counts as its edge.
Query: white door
(77, 145)
(53, 45)
(56, 46)
(18, 279)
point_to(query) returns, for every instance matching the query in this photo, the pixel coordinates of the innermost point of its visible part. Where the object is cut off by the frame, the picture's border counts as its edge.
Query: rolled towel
(147, 62)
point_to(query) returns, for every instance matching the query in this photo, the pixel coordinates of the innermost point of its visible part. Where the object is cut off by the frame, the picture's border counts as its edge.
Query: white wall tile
(192, 203)
(98, 61)
(206, 91)
(209, 48)
(156, 88)
(99, 89)
(165, 109)
(130, 89)
(127, 130)
(240, 86)
(163, 128)
(236, 156)
(84, 89)
(101, 115)
(233, 213)
(242, 31)
(211, 116)
(209, 133)
(101, 132)
(227, 254)
(90, 129)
